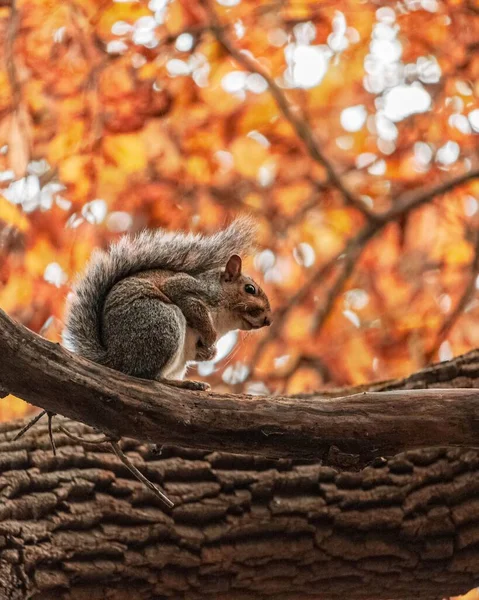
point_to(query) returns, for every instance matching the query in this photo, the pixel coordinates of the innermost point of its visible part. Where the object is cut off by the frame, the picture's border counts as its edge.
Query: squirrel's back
(160, 249)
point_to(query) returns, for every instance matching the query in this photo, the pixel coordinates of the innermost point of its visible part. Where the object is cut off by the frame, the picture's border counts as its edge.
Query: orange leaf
(127, 151)
(249, 155)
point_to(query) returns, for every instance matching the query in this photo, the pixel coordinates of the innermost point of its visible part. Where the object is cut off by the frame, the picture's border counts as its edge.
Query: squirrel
(156, 301)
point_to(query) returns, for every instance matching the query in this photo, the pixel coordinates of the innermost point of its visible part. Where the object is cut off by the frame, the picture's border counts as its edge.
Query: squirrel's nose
(267, 321)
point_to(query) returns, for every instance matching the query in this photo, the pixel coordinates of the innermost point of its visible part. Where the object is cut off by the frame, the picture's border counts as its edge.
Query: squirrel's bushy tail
(160, 249)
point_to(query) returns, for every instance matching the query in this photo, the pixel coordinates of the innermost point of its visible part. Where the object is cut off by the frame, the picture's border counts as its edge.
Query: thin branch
(139, 475)
(50, 432)
(298, 123)
(460, 306)
(29, 425)
(124, 459)
(83, 441)
(9, 53)
(404, 204)
(414, 199)
(350, 261)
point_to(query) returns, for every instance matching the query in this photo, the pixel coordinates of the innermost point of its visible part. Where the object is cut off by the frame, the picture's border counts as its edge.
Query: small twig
(460, 306)
(29, 425)
(350, 261)
(126, 461)
(76, 438)
(9, 53)
(50, 432)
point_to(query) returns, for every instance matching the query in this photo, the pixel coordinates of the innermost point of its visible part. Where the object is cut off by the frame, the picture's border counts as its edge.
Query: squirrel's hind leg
(174, 371)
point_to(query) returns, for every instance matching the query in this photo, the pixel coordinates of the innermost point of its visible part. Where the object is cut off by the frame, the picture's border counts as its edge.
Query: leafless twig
(460, 306)
(29, 425)
(50, 416)
(124, 459)
(105, 439)
(131, 467)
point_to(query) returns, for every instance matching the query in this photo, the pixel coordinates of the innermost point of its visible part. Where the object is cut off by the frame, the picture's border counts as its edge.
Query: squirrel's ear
(233, 268)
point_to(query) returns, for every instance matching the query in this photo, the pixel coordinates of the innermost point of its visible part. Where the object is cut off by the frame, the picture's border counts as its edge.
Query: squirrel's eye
(249, 289)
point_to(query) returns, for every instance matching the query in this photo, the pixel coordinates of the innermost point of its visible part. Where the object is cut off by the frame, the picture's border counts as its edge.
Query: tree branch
(297, 122)
(368, 425)
(375, 221)
(414, 199)
(461, 305)
(352, 250)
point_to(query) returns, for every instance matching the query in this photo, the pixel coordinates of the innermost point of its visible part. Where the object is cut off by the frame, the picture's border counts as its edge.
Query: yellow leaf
(258, 115)
(67, 142)
(73, 172)
(17, 292)
(38, 257)
(199, 169)
(298, 325)
(175, 20)
(120, 11)
(249, 155)
(254, 200)
(291, 197)
(111, 182)
(304, 380)
(12, 215)
(340, 219)
(458, 253)
(12, 407)
(127, 151)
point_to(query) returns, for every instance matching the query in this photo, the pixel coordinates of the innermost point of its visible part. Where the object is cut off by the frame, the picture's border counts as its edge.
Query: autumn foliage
(313, 116)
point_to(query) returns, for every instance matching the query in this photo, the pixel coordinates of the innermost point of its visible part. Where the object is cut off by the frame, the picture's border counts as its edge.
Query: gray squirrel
(152, 303)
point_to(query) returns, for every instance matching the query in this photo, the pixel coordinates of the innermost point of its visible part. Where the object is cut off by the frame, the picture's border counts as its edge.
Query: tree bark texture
(364, 425)
(78, 526)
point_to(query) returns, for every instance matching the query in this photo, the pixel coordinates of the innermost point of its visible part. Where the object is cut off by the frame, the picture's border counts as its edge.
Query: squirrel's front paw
(205, 353)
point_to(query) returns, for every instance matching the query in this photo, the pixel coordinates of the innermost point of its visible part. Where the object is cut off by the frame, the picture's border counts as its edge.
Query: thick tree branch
(368, 425)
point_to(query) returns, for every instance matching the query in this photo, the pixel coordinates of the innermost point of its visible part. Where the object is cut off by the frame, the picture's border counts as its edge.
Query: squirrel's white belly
(177, 365)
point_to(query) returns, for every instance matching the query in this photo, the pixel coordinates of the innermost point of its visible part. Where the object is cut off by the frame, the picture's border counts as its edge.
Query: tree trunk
(78, 526)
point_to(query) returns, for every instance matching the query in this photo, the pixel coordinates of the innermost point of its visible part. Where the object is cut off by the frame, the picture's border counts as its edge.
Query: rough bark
(77, 526)
(368, 425)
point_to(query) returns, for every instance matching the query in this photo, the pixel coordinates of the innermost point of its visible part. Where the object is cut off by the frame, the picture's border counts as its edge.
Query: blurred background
(349, 129)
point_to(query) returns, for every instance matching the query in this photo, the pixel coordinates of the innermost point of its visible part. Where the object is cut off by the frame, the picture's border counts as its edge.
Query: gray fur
(172, 251)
